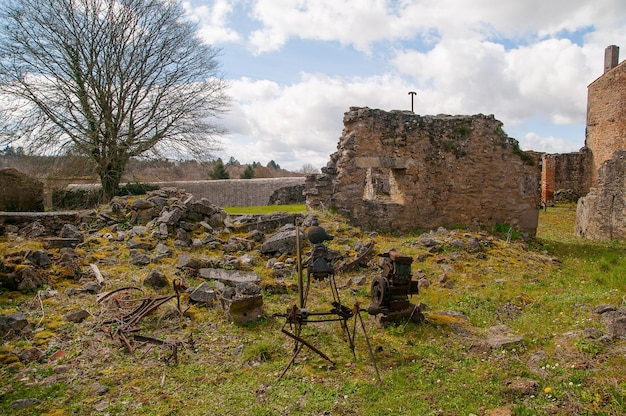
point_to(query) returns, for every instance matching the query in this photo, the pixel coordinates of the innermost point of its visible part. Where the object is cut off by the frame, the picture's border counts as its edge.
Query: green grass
(544, 290)
(266, 209)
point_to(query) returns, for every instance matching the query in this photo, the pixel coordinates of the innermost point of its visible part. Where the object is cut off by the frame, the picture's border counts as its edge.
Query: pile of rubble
(147, 226)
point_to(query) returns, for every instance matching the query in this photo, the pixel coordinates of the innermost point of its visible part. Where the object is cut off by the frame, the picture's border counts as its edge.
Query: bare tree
(110, 79)
(308, 169)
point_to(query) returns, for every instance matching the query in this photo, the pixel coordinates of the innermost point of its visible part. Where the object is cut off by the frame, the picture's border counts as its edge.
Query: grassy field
(265, 209)
(545, 291)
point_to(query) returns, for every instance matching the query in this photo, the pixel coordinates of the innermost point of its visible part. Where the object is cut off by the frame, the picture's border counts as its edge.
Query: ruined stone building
(606, 111)
(401, 171)
(601, 214)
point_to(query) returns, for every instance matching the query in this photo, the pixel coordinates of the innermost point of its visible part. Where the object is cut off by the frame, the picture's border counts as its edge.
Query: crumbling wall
(19, 192)
(570, 172)
(606, 116)
(401, 171)
(601, 214)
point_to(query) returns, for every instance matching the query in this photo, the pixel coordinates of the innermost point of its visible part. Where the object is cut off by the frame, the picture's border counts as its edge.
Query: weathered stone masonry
(401, 171)
(566, 171)
(601, 214)
(230, 192)
(606, 111)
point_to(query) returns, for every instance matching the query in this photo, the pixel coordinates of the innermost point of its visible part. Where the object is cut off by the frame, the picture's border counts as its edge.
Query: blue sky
(296, 66)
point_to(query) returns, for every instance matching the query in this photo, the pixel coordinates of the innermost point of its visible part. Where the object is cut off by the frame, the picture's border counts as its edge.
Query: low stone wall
(19, 192)
(228, 192)
(54, 221)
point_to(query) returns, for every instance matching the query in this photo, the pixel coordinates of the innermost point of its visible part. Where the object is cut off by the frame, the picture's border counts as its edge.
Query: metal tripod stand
(319, 268)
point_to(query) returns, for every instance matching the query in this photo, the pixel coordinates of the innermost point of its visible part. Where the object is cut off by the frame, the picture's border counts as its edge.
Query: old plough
(125, 307)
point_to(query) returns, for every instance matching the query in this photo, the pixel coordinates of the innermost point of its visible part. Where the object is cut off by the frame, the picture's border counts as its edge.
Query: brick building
(605, 133)
(606, 111)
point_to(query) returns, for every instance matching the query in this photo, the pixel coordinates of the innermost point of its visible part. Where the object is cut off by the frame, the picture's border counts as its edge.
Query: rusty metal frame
(132, 311)
(296, 317)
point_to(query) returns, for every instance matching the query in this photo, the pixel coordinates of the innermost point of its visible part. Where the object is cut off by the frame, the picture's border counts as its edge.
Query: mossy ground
(431, 368)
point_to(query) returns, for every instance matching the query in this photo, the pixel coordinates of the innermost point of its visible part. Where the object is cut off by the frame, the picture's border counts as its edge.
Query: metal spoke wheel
(379, 292)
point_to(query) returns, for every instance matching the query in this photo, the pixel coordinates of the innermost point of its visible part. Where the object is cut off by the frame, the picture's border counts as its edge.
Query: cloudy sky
(296, 66)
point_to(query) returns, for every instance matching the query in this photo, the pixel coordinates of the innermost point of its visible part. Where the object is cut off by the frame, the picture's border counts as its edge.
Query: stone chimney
(611, 57)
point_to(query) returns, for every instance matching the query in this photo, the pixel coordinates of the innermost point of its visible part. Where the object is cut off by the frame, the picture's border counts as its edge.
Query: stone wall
(600, 215)
(229, 192)
(566, 171)
(401, 171)
(19, 192)
(606, 116)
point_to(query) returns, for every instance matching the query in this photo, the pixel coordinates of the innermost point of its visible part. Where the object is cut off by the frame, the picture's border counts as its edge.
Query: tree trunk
(110, 179)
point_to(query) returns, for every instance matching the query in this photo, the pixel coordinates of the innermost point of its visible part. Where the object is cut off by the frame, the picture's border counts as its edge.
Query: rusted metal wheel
(379, 291)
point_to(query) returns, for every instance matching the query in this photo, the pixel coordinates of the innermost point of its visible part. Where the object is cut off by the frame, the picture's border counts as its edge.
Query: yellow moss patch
(54, 323)
(42, 338)
(193, 313)
(7, 358)
(55, 412)
(50, 302)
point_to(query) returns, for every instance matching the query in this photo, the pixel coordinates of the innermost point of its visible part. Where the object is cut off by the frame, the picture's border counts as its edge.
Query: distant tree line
(220, 171)
(77, 169)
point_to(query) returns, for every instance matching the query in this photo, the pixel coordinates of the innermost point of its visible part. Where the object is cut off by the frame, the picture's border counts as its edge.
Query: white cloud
(355, 22)
(471, 76)
(548, 144)
(520, 61)
(303, 122)
(213, 21)
(361, 23)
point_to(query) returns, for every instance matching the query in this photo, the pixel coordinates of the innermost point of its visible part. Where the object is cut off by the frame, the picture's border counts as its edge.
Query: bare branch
(111, 79)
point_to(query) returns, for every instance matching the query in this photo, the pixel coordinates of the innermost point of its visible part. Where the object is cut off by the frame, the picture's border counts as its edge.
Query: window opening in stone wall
(385, 185)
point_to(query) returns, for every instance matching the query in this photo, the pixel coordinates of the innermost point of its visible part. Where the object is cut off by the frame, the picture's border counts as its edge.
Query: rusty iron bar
(412, 94)
(129, 322)
(308, 344)
(357, 312)
(172, 345)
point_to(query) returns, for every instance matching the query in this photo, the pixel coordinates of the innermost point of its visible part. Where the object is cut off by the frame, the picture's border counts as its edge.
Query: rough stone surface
(187, 262)
(615, 322)
(156, 279)
(500, 336)
(263, 223)
(230, 277)
(30, 355)
(288, 195)
(283, 241)
(19, 192)
(39, 258)
(243, 310)
(401, 171)
(601, 214)
(12, 324)
(71, 231)
(203, 294)
(28, 279)
(522, 386)
(606, 119)
(24, 403)
(76, 316)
